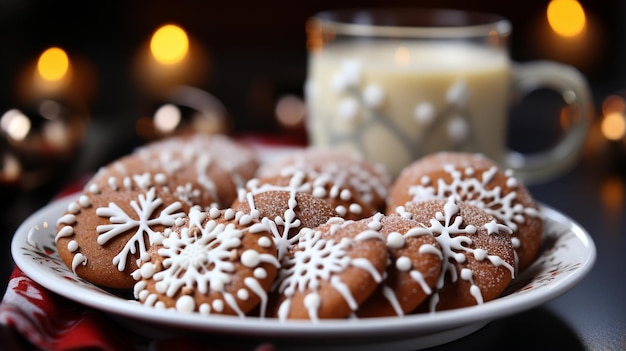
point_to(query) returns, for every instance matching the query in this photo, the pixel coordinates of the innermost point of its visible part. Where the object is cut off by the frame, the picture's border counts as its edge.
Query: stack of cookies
(197, 224)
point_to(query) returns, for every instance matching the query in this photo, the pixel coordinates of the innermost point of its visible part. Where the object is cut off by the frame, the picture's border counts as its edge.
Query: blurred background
(251, 57)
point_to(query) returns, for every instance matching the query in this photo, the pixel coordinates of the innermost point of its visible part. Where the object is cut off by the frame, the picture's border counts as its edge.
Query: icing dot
(341, 210)
(260, 273)
(185, 303)
(94, 189)
(395, 240)
(143, 295)
(459, 257)
(204, 309)
(160, 178)
(480, 254)
(218, 305)
(319, 191)
(214, 213)
(84, 201)
(516, 242)
(147, 270)
(250, 258)
(72, 246)
(403, 263)
(511, 182)
(264, 241)
(466, 274)
(229, 214)
(345, 195)
(245, 219)
(73, 208)
(355, 208)
(160, 287)
(113, 183)
(243, 294)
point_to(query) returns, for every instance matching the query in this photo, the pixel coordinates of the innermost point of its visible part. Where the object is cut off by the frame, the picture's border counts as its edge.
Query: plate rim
(267, 327)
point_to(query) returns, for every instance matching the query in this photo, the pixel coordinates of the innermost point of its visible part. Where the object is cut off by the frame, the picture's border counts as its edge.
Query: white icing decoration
(504, 207)
(320, 259)
(185, 303)
(454, 242)
(403, 263)
(200, 256)
(72, 245)
(395, 240)
(84, 201)
(146, 217)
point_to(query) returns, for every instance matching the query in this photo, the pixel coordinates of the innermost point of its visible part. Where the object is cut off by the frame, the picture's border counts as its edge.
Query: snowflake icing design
(454, 241)
(465, 186)
(201, 258)
(318, 260)
(284, 240)
(121, 222)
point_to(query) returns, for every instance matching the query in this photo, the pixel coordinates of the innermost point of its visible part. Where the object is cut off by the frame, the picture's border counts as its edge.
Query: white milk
(396, 102)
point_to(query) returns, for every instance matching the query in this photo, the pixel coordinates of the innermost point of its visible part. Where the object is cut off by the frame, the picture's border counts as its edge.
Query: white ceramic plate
(567, 255)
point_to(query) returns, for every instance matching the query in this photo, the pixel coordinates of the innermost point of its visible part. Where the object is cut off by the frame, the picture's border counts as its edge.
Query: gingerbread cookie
(109, 228)
(481, 182)
(415, 262)
(216, 162)
(330, 272)
(478, 255)
(355, 187)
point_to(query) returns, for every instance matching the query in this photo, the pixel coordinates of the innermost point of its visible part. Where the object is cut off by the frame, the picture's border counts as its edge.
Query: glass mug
(399, 84)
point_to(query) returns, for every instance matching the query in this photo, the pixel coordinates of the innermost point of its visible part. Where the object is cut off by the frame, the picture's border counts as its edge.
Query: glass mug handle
(573, 87)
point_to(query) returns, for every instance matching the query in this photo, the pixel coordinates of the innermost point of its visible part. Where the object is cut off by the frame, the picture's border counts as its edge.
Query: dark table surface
(591, 316)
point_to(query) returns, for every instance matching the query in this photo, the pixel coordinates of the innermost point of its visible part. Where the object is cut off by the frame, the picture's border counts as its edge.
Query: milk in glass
(398, 101)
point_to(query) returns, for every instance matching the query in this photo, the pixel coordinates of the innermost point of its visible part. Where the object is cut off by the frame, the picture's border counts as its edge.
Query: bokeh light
(53, 64)
(566, 17)
(169, 44)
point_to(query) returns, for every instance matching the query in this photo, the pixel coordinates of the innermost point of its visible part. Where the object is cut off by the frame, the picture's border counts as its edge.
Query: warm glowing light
(290, 110)
(15, 124)
(614, 126)
(53, 64)
(403, 56)
(566, 17)
(169, 44)
(167, 118)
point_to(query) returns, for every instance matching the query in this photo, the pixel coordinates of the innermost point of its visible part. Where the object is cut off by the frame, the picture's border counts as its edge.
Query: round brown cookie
(110, 226)
(217, 262)
(478, 255)
(216, 162)
(412, 271)
(355, 187)
(330, 272)
(481, 182)
(285, 212)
